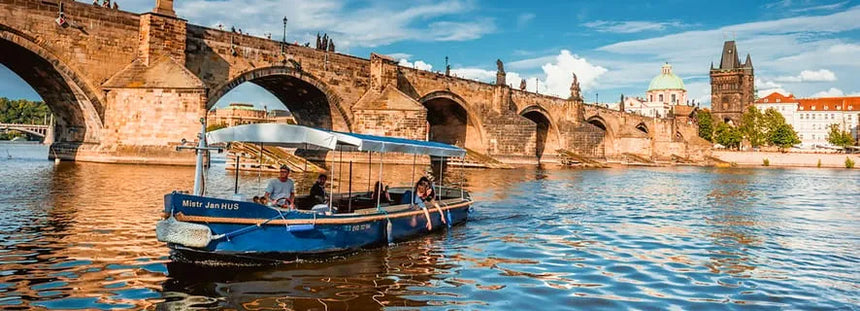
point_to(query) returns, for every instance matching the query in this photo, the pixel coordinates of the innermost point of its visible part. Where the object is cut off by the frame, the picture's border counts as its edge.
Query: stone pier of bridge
(128, 87)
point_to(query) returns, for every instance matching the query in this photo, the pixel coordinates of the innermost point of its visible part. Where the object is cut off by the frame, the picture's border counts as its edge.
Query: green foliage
(752, 127)
(765, 162)
(217, 126)
(706, 125)
(784, 136)
(771, 120)
(728, 136)
(23, 111)
(839, 137)
(849, 163)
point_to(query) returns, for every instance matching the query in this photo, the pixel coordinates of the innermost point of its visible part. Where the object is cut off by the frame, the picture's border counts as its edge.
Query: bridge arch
(546, 130)
(310, 101)
(77, 107)
(22, 130)
(452, 121)
(608, 143)
(642, 127)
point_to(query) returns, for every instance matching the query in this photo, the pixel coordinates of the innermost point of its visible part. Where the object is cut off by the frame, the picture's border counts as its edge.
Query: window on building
(652, 98)
(826, 107)
(832, 117)
(838, 107)
(777, 100)
(660, 97)
(813, 108)
(673, 98)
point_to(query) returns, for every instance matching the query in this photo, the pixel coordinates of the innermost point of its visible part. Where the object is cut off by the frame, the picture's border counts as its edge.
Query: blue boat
(203, 229)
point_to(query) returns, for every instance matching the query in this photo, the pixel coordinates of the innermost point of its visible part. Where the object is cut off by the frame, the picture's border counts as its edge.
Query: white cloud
(524, 19)
(832, 92)
(559, 78)
(363, 24)
(767, 84)
(400, 56)
(821, 7)
(474, 74)
(417, 64)
(822, 75)
(779, 48)
(630, 26)
(557, 73)
(459, 31)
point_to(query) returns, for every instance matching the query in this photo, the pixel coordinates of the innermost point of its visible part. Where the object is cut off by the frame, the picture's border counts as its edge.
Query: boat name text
(227, 206)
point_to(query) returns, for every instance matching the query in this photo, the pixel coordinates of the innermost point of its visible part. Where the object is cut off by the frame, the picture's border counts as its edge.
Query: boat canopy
(282, 135)
(396, 144)
(297, 136)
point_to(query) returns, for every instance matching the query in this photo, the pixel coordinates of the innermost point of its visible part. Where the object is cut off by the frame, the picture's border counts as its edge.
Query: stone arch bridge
(128, 87)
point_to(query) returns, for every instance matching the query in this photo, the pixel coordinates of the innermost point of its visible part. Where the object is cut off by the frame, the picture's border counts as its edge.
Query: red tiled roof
(776, 97)
(830, 104)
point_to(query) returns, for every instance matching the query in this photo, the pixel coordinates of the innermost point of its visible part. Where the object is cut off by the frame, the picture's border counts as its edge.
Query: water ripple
(80, 236)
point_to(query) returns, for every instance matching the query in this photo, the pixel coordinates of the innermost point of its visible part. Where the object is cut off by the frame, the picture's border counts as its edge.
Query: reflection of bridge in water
(39, 130)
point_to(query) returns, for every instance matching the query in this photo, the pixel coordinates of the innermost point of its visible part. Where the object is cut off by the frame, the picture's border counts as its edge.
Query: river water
(81, 236)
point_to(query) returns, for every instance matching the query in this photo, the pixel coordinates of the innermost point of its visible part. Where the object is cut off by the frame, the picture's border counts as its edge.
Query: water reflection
(79, 236)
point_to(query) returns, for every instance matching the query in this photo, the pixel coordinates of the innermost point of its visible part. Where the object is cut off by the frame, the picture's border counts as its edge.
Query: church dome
(666, 80)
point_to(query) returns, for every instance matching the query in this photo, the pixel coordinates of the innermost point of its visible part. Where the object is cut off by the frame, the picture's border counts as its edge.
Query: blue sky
(808, 48)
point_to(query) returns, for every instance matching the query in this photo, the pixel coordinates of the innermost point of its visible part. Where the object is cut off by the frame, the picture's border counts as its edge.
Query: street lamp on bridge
(284, 39)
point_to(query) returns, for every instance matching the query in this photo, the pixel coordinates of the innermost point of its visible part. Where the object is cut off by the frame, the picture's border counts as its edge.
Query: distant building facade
(732, 85)
(242, 113)
(665, 91)
(811, 117)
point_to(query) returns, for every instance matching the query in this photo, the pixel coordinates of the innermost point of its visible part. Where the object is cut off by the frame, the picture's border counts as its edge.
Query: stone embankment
(791, 159)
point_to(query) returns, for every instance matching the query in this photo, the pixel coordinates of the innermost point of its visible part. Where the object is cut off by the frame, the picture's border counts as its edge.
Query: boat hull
(245, 231)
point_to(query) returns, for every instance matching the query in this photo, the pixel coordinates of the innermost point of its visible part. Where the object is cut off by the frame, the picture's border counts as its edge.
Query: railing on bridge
(33, 129)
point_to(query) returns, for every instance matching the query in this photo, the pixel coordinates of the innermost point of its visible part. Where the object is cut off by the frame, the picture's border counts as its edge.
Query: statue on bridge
(500, 73)
(575, 91)
(522, 84)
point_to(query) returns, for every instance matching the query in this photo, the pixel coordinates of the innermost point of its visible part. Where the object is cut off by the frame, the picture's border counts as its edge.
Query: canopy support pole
(236, 185)
(340, 171)
(378, 191)
(412, 182)
(260, 170)
(462, 176)
(198, 169)
(349, 197)
(369, 169)
(331, 187)
(441, 174)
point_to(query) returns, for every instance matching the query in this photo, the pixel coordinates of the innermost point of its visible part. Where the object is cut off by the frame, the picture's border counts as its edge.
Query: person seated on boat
(318, 190)
(384, 198)
(281, 191)
(256, 199)
(431, 197)
(416, 198)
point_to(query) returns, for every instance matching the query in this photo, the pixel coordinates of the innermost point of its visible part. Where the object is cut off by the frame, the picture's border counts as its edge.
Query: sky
(805, 47)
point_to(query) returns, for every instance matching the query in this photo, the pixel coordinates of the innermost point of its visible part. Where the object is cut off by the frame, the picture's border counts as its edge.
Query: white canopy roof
(402, 145)
(276, 134)
(297, 136)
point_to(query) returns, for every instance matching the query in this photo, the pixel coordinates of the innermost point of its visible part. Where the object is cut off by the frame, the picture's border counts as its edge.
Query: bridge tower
(732, 85)
(155, 101)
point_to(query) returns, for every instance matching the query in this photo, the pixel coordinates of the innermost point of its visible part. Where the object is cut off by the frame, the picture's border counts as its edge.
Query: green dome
(666, 80)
